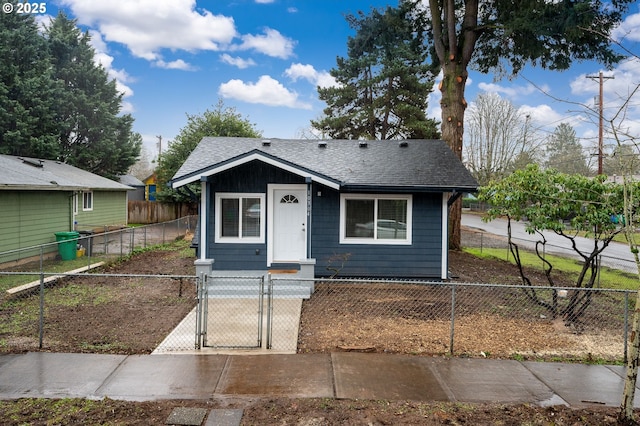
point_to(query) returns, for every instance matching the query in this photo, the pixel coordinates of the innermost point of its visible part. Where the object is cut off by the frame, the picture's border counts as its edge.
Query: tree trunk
(625, 416)
(626, 408)
(453, 106)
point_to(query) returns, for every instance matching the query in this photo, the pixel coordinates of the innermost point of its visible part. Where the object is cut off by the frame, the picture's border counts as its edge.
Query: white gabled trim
(204, 216)
(255, 156)
(444, 273)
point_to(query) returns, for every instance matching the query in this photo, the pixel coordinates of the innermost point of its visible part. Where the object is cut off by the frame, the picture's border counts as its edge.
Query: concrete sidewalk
(336, 375)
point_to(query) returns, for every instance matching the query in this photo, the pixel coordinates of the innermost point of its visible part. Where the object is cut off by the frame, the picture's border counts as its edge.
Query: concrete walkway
(336, 375)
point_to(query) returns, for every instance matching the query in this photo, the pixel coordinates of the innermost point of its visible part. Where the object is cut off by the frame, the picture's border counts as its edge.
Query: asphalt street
(616, 255)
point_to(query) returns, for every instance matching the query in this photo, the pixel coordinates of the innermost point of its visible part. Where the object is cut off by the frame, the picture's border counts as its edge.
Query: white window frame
(375, 197)
(86, 208)
(239, 239)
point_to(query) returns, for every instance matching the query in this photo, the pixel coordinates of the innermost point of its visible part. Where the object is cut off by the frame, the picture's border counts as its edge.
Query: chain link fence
(66, 305)
(90, 313)
(117, 311)
(95, 244)
(463, 319)
(626, 271)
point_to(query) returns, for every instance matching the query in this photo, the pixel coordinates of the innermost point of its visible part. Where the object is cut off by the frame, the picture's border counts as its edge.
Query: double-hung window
(87, 201)
(240, 217)
(375, 219)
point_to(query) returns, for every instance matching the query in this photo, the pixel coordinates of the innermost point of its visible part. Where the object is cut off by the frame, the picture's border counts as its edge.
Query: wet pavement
(337, 375)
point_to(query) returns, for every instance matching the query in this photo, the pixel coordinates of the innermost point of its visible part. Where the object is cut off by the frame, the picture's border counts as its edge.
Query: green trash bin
(67, 242)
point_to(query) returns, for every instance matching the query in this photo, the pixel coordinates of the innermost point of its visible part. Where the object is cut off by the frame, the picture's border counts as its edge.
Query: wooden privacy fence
(155, 212)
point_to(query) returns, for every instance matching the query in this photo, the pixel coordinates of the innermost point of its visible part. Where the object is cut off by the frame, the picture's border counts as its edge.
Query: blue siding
(251, 177)
(420, 259)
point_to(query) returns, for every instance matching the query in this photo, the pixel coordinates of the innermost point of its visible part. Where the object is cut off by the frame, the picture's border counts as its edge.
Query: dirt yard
(132, 315)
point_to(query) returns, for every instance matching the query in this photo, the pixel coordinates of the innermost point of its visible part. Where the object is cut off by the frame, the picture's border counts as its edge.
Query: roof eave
(408, 188)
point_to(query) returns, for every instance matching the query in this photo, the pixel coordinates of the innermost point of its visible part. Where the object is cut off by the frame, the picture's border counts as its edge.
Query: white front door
(288, 223)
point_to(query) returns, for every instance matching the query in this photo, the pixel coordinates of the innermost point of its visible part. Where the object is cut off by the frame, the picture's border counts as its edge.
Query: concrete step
(250, 290)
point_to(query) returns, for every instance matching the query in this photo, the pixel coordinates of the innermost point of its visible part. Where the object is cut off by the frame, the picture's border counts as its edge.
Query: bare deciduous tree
(498, 136)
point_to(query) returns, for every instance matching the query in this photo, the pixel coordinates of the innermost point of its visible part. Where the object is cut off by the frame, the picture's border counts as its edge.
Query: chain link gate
(230, 312)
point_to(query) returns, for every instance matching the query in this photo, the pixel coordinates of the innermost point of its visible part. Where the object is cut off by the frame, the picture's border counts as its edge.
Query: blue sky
(266, 57)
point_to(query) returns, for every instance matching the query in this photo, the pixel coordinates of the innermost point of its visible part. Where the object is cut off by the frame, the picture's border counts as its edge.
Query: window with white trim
(87, 201)
(391, 215)
(240, 217)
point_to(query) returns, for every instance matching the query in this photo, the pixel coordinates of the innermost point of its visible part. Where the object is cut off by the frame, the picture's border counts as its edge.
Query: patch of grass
(55, 411)
(609, 278)
(77, 294)
(50, 267)
(19, 316)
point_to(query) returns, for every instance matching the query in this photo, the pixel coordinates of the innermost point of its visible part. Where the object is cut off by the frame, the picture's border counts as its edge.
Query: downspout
(72, 216)
(204, 217)
(446, 204)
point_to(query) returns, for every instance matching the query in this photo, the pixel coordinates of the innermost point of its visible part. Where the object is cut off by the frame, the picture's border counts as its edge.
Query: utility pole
(600, 78)
(159, 145)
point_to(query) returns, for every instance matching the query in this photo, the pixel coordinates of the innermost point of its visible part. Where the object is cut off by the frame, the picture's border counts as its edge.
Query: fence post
(453, 316)
(269, 308)
(106, 240)
(199, 287)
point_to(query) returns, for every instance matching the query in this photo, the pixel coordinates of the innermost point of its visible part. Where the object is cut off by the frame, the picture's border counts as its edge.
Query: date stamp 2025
(25, 8)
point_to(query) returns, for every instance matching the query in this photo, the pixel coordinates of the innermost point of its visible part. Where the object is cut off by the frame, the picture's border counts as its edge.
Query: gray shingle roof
(22, 173)
(421, 164)
(130, 180)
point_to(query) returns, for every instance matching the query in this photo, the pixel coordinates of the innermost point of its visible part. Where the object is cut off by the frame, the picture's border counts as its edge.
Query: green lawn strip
(21, 313)
(49, 267)
(58, 266)
(609, 278)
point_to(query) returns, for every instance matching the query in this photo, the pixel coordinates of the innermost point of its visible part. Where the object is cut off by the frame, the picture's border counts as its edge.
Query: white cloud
(237, 61)
(628, 30)
(309, 73)
(292, 9)
(147, 26)
(511, 92)
(272, 43)
(178, 64)
(264, 1)
(544, 116)
(265, 91)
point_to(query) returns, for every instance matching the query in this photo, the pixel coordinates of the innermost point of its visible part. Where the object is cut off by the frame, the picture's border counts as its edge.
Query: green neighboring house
(41, 197)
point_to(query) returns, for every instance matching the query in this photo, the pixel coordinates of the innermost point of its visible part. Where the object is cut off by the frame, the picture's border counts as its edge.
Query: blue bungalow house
(378, 206)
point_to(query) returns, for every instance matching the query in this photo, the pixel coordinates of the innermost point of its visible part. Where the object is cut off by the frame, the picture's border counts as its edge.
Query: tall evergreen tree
(94, 135)
(384, 81)
(28, 93)
(565, 151)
